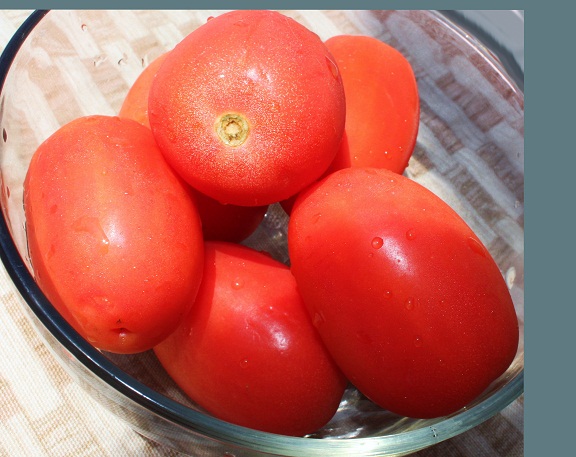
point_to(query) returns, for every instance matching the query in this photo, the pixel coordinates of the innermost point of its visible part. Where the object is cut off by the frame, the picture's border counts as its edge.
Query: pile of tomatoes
(135, 225)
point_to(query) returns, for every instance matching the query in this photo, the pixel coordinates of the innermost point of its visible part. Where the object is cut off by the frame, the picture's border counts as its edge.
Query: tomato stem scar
(232, 128)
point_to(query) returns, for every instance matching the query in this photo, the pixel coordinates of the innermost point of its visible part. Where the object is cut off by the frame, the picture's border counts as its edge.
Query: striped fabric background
(43, 412)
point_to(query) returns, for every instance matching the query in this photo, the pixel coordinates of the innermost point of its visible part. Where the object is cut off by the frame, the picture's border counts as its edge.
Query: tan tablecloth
(44, 413)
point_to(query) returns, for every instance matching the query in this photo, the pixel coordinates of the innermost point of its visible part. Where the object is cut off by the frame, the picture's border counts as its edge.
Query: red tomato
(219, 221)
(249, 108)
(114, 236)
(405, 296)
(247, 352)
(135, 105)
(228, 222)
(382, 104)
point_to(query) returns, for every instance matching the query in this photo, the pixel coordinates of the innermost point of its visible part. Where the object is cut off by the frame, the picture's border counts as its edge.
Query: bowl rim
(103, 368)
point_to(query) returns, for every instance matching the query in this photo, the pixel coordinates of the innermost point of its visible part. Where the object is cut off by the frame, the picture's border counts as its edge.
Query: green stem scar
(232, 128)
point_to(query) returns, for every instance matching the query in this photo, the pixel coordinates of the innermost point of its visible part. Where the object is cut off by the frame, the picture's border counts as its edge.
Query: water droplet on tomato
(387, 294)
(332, 66)
(244, 363)
(418, 341)
(409, 303)
(238, 283)
(476, 246)
(209, 18)
(377, 242)
(104, 246)
(410, 234)
(92, 226)
(316, 218)
(122, 332)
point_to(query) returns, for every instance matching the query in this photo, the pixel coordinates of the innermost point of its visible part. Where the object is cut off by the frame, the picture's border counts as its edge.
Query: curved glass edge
(168, 410)
(506, 58)
(497, 54)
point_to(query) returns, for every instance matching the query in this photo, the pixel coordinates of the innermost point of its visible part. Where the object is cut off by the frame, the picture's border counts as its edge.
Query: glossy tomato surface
(114, 236)
(382, 104)
(247, 352)
(405, 296)
(249, 108)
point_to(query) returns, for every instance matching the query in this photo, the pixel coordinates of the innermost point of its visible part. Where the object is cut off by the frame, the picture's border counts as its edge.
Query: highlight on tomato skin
(406, 298)
(382, 104)
(247, 352)
(114, 236)
(256, 107)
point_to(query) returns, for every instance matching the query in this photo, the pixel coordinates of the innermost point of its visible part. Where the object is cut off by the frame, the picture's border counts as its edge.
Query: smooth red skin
(135, 104)
(247, 352)
(219, 221)
(421, 325)
(276, 73)
(114, 236)
(382, 104)
(231, 223)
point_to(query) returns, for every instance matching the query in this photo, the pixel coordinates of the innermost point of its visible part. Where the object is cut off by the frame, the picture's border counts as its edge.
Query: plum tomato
(247, 351)
(382, 104)
(135, 104)
(114, 235)
(249, 108)
(407, 299)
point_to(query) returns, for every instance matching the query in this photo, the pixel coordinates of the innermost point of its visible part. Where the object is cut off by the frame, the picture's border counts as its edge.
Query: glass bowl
(470, 151)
